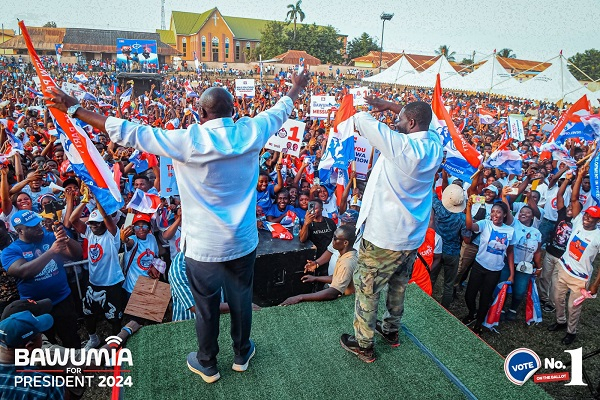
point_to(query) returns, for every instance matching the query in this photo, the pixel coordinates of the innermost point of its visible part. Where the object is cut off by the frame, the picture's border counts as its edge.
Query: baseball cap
(39, 307)
(493, 188)
(70, 181)
(19, 328)
(350, 217)
(454, 199)
(593, 211)
(141, 217)
(26, 217)
(95, 216)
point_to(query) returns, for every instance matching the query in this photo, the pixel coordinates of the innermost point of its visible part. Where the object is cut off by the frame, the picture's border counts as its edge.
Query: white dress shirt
(396, 204)
(216, 165)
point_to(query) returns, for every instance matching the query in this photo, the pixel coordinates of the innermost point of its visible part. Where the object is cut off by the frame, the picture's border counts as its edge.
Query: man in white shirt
(217, 165)
(396, 207)
(577, 264)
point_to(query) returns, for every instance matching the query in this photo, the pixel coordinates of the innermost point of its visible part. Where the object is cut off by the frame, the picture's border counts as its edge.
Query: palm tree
(445, 51)
(506, 53)
(294, 14)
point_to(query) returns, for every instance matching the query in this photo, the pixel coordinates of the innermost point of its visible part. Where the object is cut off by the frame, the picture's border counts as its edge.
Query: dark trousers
(482, 281)
(449, 264)
(206, 280)
(65, 324)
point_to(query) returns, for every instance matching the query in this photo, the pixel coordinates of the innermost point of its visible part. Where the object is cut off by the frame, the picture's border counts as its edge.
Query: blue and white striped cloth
(180, 290)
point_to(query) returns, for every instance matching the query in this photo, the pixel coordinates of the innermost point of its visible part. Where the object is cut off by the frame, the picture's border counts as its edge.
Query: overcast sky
(535, 30)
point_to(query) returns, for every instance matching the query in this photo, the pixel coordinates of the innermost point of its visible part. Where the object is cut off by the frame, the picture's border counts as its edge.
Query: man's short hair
(348, 231)
(319, 201)
(419, 111)
(140, 176)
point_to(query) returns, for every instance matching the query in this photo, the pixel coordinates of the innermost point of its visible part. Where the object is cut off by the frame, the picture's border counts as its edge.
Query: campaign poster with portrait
(136, 54)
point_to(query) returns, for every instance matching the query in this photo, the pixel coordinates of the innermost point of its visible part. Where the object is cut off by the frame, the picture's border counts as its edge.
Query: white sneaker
(92, 343)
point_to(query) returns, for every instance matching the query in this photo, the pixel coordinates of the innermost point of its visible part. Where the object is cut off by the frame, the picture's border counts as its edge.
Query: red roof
(293, 57)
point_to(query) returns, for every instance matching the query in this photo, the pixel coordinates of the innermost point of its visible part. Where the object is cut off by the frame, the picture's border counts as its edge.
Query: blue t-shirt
(301, 214)
(265, 199)
(276, 212)
(51, 282)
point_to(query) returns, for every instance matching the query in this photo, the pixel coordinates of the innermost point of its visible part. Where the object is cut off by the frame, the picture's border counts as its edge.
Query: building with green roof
(213, 36)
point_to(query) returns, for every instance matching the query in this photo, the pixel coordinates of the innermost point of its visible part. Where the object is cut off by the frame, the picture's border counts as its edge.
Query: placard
(515, 127)
(149, 299)
(362, 156)
(168, 180)
(320, 106)
(359, 94)
(288, 139)
(73, 89)
(244, 87)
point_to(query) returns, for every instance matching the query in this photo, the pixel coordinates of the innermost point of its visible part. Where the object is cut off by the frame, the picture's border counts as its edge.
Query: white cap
(454, 199)
(95, 216)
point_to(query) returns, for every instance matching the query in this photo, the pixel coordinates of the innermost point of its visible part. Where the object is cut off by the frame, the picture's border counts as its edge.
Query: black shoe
(454, 293)
(391, 338)
(557, 327)
(477, 330)
(511, 315)
(468, 320)
(548, 307)
(350, 344)
(568, 339)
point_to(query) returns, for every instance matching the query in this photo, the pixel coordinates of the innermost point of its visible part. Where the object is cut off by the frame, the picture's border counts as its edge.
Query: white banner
(73, 89)
(244, 87)
(320, 106)
(362, 155)
(288, 139)
(168, 182)
(359, 94)
(515, 127)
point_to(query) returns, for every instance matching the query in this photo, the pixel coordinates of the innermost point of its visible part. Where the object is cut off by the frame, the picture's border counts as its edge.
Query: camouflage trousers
(378, 268)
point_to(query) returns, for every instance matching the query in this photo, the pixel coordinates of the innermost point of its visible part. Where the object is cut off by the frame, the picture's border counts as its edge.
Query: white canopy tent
(490, 77)
(399, 70)
(554, 84)
(448, 75)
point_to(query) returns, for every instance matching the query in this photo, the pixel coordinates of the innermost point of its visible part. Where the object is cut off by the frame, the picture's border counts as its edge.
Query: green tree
(506, 53)
(323, 42)
(588, 62)
(294, 14)
(252, 53)
(50, 24)
(445, 51)
(362, 45)
(274, 40)
(466, 61)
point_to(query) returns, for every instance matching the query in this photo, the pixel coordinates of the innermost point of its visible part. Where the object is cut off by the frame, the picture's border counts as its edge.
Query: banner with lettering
(288, 139)
(244, 87)
(362, 156)
(168, 181)
(515, 127)
(320, 106)
(359, 94)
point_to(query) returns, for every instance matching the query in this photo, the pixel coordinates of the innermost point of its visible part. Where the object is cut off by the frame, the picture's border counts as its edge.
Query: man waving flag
(339, 152)
(83, 155)
(462, 160)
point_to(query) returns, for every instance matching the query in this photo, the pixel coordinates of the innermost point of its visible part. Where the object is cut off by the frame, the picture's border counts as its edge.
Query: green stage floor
(298, 356)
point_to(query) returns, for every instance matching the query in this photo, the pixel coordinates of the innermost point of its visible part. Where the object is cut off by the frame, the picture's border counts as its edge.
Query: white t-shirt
(103, 258)
(586, 199)
(517, 208)
(146, 252)
(494, 240)
(582, 248)
(174, 242)
(526, 240)
(550, 211)
(542, 188)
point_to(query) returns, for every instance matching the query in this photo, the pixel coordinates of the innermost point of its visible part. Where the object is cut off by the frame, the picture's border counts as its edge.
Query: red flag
(579, 105)
(493, 316)
(464, 148)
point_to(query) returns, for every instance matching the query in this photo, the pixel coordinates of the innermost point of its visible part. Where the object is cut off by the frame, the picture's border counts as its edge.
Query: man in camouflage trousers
(395, 209)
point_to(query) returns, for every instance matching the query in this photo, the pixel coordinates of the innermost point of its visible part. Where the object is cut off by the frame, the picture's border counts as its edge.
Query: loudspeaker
(278, 268)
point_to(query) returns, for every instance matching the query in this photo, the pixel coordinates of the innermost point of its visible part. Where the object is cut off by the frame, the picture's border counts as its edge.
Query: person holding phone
(319, 230)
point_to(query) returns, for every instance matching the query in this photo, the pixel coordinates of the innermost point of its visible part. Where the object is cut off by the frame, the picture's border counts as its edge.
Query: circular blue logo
(520, 365)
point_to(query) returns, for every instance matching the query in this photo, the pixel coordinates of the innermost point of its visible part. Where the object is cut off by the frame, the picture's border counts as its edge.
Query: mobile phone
(317, 181)
(478, 199)
(311, 207)
(128, 220)
(513, 191)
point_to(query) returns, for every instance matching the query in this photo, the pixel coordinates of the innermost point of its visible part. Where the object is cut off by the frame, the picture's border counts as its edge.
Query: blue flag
(594, 176)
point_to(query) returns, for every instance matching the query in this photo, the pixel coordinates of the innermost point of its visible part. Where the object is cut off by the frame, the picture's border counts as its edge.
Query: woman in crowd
(495, 243)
